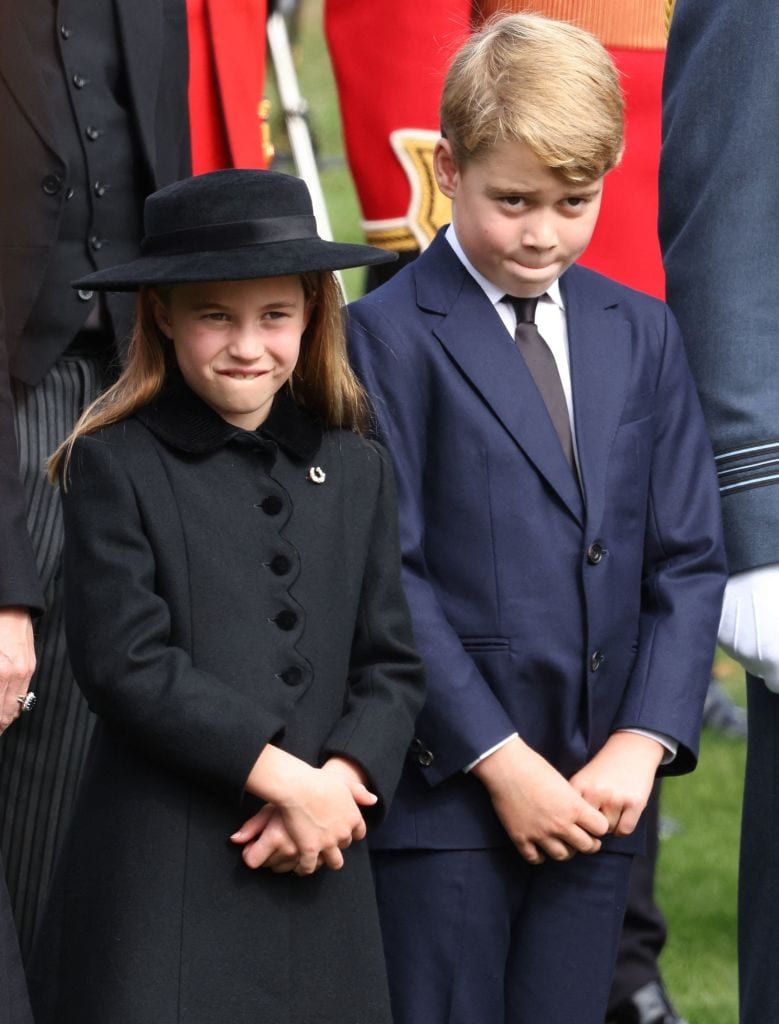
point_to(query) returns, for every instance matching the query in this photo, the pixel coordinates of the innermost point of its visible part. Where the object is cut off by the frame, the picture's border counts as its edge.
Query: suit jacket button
(51, 184)
(595, 553)
(286, 620)
(92, 133)
(291, 676)
(79, 81)
(425, 758)
(65, 32)
(85, 295)
(597, 659)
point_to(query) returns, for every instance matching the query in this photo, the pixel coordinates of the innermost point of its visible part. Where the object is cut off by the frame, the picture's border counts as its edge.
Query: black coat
(219, 599)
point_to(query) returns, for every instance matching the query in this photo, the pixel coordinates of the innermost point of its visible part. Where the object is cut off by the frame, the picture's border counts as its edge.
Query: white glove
(749, 626)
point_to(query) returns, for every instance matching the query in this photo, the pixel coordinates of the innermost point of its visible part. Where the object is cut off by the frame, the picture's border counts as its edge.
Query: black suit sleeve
(19, 582)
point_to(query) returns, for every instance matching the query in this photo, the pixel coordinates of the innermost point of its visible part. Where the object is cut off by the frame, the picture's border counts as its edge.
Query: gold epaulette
(620, 24)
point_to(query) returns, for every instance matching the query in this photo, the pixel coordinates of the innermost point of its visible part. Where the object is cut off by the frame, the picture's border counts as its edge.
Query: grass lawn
(697, 871)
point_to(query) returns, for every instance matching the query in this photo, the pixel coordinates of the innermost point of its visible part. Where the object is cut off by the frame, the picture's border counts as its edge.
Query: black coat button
(79, 81)
(51, 184)
(99, 189)
(425, 758)
(280, 565)
(70, 193)
(286, 619)
(95, 243)
(292, 676)
(92, 133)
(84, 294)
(64, 31)
(597, 659)
(595, 553)
(272, 505)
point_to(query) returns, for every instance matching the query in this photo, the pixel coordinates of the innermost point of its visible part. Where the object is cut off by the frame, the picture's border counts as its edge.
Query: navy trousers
(482, 937)
(758, 882)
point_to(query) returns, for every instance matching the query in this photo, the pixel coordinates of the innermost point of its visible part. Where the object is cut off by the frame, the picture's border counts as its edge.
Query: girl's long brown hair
(322, 382)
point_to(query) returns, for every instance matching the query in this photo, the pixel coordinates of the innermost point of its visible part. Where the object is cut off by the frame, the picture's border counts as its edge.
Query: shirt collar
(493, 293)
(184, 421)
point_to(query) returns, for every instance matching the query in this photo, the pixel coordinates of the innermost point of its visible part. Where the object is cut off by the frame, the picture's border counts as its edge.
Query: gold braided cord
(669, 11)
(620, 24)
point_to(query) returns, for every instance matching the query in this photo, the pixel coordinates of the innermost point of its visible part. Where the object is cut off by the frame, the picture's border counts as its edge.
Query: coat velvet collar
(181, 419)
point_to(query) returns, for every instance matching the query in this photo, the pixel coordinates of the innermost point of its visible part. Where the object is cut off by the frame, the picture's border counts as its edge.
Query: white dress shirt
(553, 328)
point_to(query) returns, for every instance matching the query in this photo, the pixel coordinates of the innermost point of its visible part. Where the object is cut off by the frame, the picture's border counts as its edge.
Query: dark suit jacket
(718, 229)
(218, 600)
(153, 38)
(536, 609)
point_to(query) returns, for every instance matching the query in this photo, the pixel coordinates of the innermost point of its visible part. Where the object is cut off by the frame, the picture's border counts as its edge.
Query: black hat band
(232, 235)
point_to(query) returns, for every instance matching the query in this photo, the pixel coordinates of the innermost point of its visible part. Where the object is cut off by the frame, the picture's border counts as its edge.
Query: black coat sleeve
(386, 679)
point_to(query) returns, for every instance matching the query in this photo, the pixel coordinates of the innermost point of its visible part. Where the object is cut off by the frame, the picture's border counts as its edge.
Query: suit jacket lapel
(140, 29)
(20, 68)
(599, 342)
(475, 338)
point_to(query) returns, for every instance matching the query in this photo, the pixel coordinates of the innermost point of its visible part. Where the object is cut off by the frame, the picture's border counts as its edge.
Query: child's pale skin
(236, 344)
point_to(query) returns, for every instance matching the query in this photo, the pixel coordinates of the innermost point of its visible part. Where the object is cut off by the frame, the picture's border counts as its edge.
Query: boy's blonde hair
(546, 83)
(322, 382)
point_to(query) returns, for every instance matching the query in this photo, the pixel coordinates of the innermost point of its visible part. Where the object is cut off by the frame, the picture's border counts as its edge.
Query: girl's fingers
(254, 826)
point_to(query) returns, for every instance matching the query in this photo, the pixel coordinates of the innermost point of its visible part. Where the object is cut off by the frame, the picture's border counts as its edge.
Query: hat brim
(268, 260)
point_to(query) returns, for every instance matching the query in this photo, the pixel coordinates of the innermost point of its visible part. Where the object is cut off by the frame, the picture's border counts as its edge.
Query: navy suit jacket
(540, 609)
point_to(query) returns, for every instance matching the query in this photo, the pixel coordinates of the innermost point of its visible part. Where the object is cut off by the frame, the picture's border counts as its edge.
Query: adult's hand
(749, 627)
(17, 661)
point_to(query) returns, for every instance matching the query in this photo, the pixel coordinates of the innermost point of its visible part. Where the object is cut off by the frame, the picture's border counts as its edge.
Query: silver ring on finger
(27, 701)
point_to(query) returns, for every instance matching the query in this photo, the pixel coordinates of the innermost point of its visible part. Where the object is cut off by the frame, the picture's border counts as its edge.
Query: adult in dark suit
(719, 232)
(92, 118)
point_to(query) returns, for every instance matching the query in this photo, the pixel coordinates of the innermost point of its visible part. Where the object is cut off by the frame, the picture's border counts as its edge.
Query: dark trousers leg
(42, 755)
(474, 936)
(14, 1005)
(758, 910)
(644, 930)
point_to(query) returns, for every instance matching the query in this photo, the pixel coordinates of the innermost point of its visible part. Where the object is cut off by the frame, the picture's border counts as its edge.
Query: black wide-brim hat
(230, 225)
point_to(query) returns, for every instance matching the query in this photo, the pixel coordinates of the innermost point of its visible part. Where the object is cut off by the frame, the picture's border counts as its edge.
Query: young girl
(235, 618)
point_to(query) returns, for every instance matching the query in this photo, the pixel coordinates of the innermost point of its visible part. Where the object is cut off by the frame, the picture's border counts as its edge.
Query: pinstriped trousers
(42, 754)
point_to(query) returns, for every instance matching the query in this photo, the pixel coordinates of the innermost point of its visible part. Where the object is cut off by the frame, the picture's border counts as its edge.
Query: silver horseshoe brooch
(316, 475)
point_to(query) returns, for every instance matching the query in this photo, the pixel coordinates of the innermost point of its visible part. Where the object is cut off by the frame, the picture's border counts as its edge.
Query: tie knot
(524, 308)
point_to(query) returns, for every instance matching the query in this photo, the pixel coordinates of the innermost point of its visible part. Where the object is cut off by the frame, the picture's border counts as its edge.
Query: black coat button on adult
(286, 620)
(84, 294)
(280, 565)
(99, 189)
(595, 553)
(79, 81)
(597, 659)
(92, 133)
(272, 505)
(95, 243)
(292, 676)
(51, 184)
(70, 193)
(425, 758)
(65, 32)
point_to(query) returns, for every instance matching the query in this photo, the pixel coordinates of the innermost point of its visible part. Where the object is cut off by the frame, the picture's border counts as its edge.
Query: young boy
(562, 549)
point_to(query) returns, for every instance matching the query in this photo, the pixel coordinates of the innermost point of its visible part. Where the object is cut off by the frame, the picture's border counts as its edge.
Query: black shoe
(722, 715)
(649, 1005)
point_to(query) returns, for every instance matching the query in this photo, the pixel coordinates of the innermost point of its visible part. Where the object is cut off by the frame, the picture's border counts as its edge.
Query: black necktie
(543, 369)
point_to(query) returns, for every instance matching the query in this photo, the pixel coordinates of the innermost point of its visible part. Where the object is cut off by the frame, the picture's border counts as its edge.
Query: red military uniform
(226, 80)
(389, 67)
